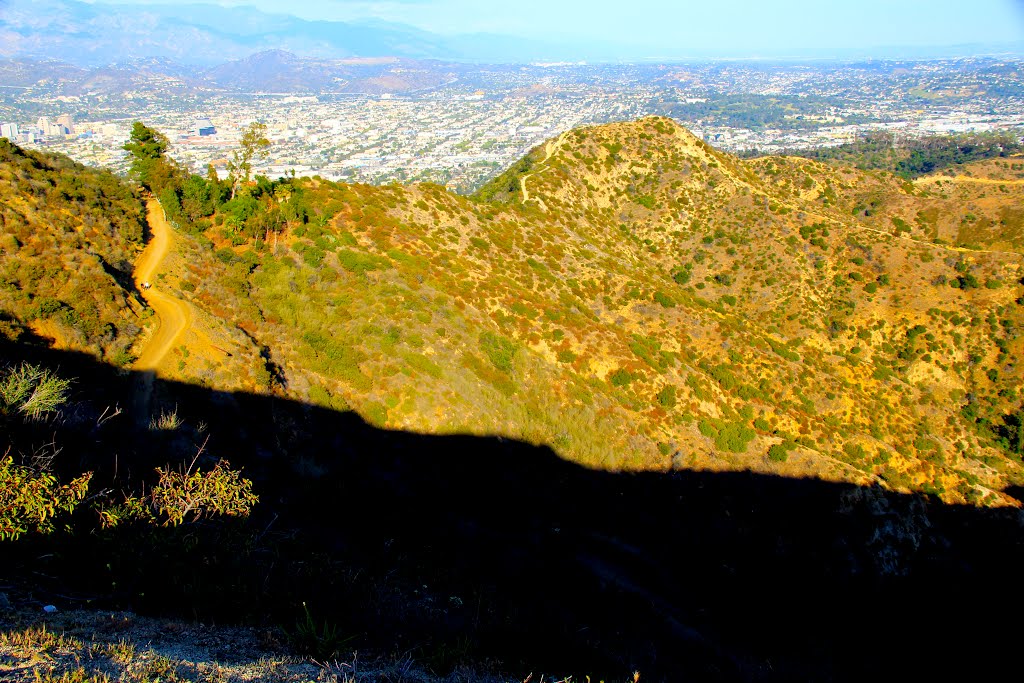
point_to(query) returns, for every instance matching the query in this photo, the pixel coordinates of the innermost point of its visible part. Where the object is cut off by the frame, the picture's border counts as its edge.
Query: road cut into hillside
(174, 316)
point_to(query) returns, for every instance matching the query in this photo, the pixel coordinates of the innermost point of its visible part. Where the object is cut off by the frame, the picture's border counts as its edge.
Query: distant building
(205, 127)
(67, 123)
(48, 128)
(9, 131)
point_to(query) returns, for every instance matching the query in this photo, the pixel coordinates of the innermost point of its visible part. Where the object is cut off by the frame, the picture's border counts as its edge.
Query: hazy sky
(665, 25)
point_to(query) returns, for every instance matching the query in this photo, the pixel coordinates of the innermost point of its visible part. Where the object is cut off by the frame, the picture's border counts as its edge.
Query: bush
(620, 378)
(646, 201)
(32, 391)
(190, 496)
(30, 501)
(734, 437)
(499, 350)
(778, 453)
(664, 299)
(667, 397)
(728, 436)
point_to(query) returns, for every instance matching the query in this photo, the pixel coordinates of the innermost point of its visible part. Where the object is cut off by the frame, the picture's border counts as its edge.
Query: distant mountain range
(206, 34)
(98, 34)
(274, 71)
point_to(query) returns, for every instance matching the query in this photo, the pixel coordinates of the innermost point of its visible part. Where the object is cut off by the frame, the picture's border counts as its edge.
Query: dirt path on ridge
(173, 314)
(549, 150)
(966, 179)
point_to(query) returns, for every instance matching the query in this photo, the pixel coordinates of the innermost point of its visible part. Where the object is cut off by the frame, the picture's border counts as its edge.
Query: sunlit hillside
(636, 300)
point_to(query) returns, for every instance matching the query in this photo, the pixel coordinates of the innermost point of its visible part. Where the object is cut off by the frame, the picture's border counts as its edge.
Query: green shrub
(31, 500)
(728, 436)
(359, 263)
(499, 350)
(190, 496)
(646, 201)
(423, 364)
(32, 391)
(725, 377)
(667, 397)
(778, 453)
(664, 299)
(620, 378)
(734, 437)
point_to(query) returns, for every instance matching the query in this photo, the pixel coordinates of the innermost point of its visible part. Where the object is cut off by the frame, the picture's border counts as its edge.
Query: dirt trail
(967, 179)
(174, 315)
(549, 150)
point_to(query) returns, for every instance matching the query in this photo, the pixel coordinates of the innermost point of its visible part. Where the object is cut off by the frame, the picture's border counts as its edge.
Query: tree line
(912, 157)
(245, 207)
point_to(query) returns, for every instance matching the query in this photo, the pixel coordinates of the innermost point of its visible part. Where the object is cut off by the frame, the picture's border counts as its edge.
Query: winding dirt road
(174, 316)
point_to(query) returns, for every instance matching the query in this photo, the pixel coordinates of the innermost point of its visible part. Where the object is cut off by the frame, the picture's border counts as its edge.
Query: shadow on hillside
(460, 548)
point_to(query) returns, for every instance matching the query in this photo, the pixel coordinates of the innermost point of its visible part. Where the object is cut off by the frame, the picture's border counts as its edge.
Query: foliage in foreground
(32, 499)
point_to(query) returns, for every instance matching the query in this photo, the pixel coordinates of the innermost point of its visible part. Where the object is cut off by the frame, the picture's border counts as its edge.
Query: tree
(195, 198)
(150, 166)
(253, 145)
(146, 143)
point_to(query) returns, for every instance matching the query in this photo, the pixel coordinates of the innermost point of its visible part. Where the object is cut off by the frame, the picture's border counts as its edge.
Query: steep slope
(653, 304)
(69, 236)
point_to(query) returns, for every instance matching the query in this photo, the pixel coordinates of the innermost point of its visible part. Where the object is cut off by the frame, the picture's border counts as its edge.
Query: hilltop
(69, 237)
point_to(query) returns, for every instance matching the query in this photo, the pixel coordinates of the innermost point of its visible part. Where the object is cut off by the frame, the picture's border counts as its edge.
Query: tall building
(9, 131)
(68, 124)
(49, 128)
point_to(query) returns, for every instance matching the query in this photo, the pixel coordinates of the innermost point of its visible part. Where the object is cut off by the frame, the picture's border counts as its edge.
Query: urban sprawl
(465, 132)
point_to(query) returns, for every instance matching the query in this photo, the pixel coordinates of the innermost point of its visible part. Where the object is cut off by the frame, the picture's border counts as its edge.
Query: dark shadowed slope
(485, 549)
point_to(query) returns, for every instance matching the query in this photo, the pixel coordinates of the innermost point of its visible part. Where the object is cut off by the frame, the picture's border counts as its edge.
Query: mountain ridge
(95, 34)
(652, 304)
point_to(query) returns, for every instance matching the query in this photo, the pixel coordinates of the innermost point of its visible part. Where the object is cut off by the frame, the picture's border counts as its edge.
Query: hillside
(653, 304)
(616, 412)
(69, 236)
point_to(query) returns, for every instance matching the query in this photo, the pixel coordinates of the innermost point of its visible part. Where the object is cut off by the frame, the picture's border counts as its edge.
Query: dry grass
(104, 647)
